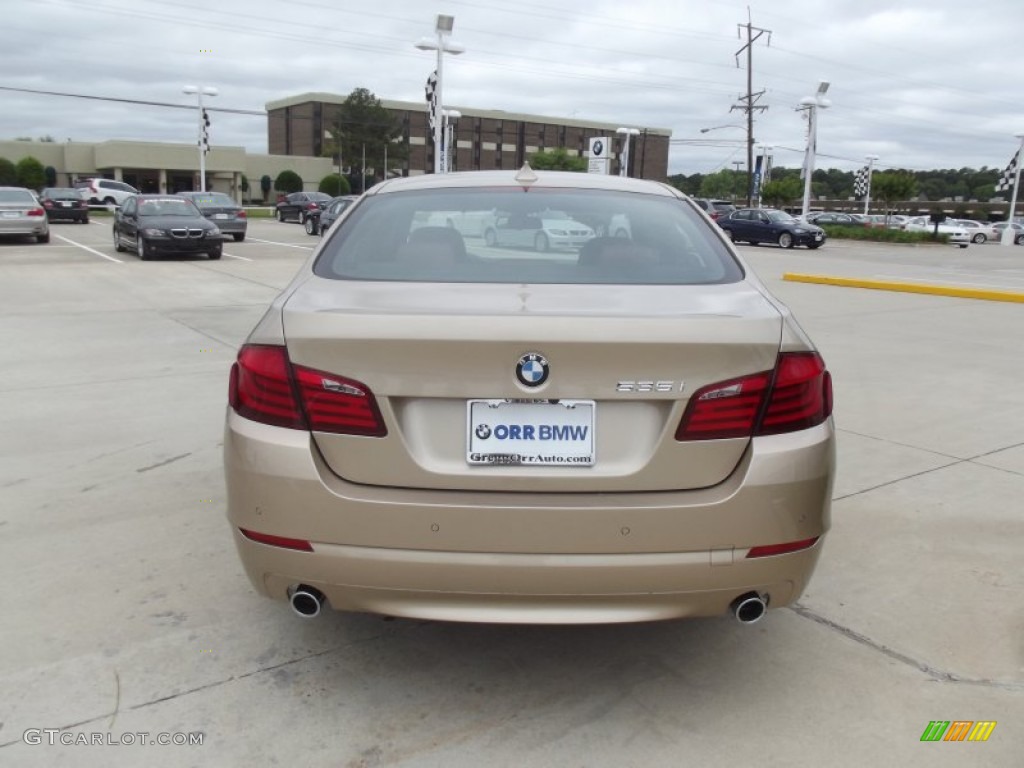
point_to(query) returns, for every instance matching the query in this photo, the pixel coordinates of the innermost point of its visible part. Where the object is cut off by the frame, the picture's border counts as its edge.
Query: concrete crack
(935, 674)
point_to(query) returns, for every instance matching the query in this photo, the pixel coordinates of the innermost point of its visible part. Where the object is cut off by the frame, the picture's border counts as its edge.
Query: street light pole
(812, 104)
(627, 132)
(443, 28)
(450, 115)
(1010, 232)
(200, 91)
(867, 195)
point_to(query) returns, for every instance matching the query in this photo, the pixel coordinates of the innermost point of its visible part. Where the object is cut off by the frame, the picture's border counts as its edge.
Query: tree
(892, 187)
(363, 124)
(244, 185)
(31, 173)
(51, 176)
(265, 185)
(8, 174)
(288, 182)
(334, 185)
(557, 159)
(782, 192)
(719, 184)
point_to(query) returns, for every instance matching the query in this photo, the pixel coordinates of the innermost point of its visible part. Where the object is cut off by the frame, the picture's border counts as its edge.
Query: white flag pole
(1009, 232)
(867, 194)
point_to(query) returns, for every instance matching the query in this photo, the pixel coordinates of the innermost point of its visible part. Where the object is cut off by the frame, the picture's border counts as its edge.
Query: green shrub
(335, 185)
(31, 173)
(879, 235)
(288, 182)
(8, 174)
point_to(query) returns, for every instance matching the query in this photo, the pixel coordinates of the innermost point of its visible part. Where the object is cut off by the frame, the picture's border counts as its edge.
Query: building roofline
(494, 114)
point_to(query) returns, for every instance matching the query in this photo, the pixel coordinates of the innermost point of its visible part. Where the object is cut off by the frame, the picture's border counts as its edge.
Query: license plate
(539, 433)
(220, 215)
(817, 237)
(65, 204)
(11, 214)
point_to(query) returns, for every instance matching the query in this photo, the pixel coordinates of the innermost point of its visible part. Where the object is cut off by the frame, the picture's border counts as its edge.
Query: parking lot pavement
(126, 609)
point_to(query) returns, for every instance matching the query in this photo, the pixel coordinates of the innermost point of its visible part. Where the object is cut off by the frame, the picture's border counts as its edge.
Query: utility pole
(748, 103)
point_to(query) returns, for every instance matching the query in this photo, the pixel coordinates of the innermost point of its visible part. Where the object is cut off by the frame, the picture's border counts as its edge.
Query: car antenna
(526, 176)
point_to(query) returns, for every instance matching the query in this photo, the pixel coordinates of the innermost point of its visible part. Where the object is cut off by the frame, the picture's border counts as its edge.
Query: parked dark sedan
(318, 222)
(219, 208)
(64, 204)
(768, 225)
(297, 205)
(152, 225)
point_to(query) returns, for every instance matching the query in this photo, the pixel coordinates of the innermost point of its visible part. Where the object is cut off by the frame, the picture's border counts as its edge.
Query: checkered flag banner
(860, 182)
(1004, 183)
(431, 93)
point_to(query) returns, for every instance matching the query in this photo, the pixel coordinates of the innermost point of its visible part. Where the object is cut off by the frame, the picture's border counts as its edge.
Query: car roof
(542, 180)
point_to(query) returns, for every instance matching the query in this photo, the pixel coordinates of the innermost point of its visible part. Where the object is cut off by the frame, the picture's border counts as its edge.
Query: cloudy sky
(922, 83)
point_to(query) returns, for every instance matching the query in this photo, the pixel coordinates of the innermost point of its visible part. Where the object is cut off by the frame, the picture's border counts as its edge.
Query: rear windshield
(167, 206)
(502, 235)
(16, 196)
(61, 193)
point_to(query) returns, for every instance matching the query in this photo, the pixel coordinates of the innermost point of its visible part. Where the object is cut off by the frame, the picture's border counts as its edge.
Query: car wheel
(732, 235)
(43, 238)
(310, 225)
(109, 201)
(239, 236)
(979, 238)
(117, 242)
(540, 242)
(280, 215)
(85, 220)
(491, 237)
(144, 252)
(785, 240)
(214, 255)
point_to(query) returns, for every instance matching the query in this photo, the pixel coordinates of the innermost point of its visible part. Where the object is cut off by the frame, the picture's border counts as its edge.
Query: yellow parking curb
(888, 285)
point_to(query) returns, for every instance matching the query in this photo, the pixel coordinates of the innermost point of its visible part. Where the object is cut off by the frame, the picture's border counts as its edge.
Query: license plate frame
(533, 433)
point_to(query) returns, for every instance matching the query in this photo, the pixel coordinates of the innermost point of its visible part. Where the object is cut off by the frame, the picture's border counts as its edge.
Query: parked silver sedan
(22, 214)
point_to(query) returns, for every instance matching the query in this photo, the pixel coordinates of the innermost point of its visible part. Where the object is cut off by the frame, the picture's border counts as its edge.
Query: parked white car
(979, 231)
(956, 233)
(104, 191)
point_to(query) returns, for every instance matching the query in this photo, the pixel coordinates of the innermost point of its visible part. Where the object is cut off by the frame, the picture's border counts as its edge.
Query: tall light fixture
(627, 132)
(867, 195)
(201, 91)
(812, 104)
(450, 145)
(1009, 233)
(443, 28)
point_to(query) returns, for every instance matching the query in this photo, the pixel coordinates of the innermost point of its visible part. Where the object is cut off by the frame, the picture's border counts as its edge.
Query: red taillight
(36, 212)
(726, 409)
(47, 203)
(799, 397)
(262, 389)
(311, 207)
(781, 549)
(278, 541)
(336, 404)
(240, 215)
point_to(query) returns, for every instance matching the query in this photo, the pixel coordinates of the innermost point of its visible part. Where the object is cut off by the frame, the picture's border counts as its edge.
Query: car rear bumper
(534, 558)
(23, 226)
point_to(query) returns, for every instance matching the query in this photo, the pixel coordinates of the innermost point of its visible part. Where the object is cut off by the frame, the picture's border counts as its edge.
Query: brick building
(484, 139)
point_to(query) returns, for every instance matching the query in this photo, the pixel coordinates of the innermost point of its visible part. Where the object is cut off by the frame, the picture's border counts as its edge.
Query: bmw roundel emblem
(532, 370)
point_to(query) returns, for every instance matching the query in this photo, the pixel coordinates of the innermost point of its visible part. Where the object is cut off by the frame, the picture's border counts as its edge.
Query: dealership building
(483, 139)
(297, 139)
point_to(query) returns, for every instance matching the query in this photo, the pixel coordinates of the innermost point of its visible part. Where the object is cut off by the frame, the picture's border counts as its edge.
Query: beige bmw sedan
(477, 403)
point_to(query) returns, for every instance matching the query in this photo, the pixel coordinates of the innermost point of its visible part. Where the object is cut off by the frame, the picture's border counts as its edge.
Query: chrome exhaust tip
(306, 601)
(749, 608)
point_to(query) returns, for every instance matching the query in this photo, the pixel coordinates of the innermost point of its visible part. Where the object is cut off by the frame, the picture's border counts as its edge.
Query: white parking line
(87, 248)
(286, 245)
(232, 256)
